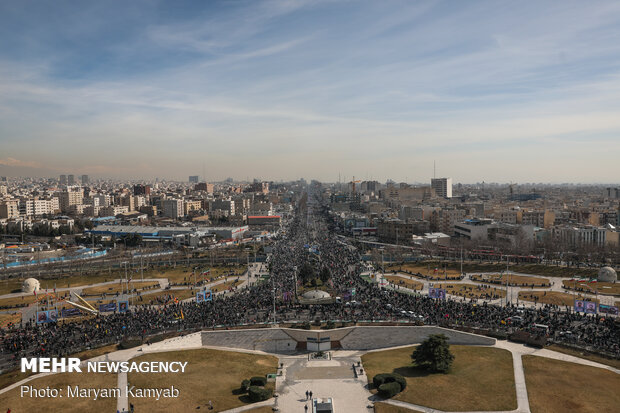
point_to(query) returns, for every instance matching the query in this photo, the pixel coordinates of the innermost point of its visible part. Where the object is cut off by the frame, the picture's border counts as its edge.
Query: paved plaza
(338, 377)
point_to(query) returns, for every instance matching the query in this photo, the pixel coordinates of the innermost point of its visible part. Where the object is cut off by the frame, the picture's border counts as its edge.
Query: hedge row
(388, 390)
(258, 394)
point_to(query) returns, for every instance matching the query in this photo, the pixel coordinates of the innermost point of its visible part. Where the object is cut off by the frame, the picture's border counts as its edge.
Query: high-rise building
(70, 180)
(63, 179)
(203, 186)
(9, 208)
(2, 178)
(442, 187)
(140, 189)
(70, 197)
(84, 179)
(172, 208)
(193, 179)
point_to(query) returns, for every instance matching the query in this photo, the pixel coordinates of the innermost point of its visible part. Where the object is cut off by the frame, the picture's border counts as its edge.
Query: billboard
(200, 296)
(439, 293)
(590, 307)
(52, 316)
(42, 317)
(607, 309)
(70, 312)
(106, 308)
(208, 295)
(580, 306)
(123, 306)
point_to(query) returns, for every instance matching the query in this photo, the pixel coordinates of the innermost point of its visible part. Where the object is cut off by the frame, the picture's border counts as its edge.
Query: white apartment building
(9, 208)
(112, 210)
(442, 187)
(70, 197)
(580, 235)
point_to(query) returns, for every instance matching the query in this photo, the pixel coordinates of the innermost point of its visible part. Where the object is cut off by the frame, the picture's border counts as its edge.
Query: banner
(42, 317)
(123, 306)
(106, 308)
(52, 316)
(200, 296)
(608, 309)
(580, 306)
(439, 293)
(590, 307)
(208, 295)
(70, 312)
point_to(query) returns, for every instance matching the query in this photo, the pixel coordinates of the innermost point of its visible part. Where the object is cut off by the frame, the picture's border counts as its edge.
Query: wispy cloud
(316, 88)
(17, 162)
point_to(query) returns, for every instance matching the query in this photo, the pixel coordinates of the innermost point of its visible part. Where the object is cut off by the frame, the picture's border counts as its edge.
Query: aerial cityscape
(309, 206)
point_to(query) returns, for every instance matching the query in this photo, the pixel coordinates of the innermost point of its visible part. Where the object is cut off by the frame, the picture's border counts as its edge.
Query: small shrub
(388, 390)
(258, 381)
(400, 380)
(385, 378)
(379, 379)
(258, 394)
(245, 385)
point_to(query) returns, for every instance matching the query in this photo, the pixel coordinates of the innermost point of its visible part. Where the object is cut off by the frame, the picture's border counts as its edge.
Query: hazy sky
(495, 91)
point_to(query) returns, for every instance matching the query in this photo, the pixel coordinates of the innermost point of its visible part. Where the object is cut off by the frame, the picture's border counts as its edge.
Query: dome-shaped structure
(315, 295)
(608, 275)
(30, 284)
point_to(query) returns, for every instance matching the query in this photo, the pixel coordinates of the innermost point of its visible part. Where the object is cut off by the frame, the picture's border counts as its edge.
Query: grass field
(601, 287)
(404, 282)
(585, 355)
(550, 297)
(118, 287)
(6, 318)
(12, 400)
(230, 283)
(210, 375)
(518, 280)
(388, 408)
(424, 270)
(474, 267)
(11, 377)
(173, 274)
(179, 294)
(89, 354)
(183, 294)
(558, 386)
(472, 290)
(183, 274)
(263, 409)
(482, 377)
(17, 301)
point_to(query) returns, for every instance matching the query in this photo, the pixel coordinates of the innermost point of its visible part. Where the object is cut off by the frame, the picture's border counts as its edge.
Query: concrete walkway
(335, 378)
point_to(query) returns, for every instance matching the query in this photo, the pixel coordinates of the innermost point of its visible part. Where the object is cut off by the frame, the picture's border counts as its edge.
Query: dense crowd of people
(306, 237)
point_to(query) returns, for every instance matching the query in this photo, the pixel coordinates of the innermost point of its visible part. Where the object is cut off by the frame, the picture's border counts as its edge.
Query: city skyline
(491, 91)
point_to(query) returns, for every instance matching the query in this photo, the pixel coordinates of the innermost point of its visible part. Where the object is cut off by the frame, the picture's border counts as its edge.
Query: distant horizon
(493, 91)
(251, 179)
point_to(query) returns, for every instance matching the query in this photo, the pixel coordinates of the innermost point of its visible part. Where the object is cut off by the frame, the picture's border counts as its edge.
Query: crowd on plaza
(254, 304)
